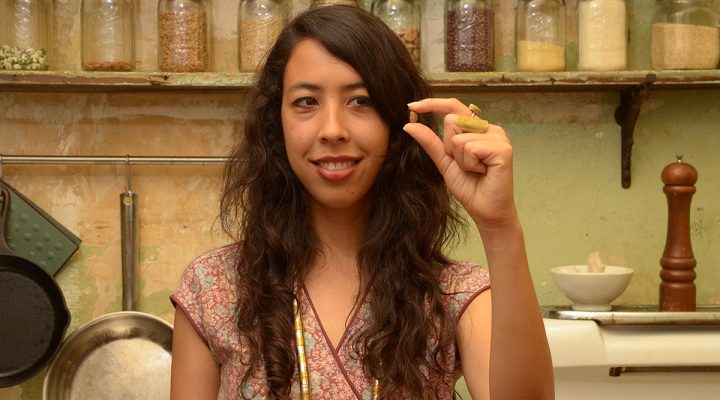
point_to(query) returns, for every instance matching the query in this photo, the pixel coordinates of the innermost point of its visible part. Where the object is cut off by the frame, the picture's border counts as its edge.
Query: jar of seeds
(183, 27)
(259, 24)
(469, 27)
(540, 45)
(108, 36)
(24, 34)
(684, 34)
(403, 17)
(602, 35)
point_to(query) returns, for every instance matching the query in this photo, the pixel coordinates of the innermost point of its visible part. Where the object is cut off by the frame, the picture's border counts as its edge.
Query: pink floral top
(208, 294)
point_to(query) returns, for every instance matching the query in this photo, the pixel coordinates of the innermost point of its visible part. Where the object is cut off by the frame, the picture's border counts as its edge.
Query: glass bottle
(403, 17)
(259, 24)
(24, 39)
(108, 38)
(183, 27)
(318, 3)
(469, 43)
(602, 35)
(540, 35)
(684, 34)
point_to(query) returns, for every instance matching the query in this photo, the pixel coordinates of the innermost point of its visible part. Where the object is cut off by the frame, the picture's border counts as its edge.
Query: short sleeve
(208, 294)
(461, 283)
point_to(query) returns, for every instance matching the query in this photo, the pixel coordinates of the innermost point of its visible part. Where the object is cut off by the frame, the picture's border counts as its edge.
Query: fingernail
(411, 104)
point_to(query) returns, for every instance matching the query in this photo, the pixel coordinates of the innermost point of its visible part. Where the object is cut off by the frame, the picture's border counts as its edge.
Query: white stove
(635, 353)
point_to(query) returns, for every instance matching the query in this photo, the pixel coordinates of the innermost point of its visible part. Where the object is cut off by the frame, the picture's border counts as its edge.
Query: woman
(342, 210)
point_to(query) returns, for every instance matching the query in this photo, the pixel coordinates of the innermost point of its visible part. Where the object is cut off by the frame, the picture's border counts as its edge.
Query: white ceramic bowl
(591, 291)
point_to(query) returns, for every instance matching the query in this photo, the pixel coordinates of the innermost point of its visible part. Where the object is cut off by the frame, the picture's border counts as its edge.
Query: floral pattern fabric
(208, 294)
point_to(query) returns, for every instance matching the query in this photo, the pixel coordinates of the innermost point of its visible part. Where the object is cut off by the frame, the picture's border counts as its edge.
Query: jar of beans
(602, 35)
(108, 38)
(469, 27)
(24, 34)
(540, 45)
(684, 34)
(403, 17)
(183, 27)
(259, 24)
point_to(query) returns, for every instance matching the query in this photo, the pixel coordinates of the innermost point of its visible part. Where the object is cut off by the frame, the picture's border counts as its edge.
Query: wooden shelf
(72, 81)
(632, 86)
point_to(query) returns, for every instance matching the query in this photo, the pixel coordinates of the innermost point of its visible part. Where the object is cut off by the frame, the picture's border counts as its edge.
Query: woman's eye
(362, 101)
(305, 102)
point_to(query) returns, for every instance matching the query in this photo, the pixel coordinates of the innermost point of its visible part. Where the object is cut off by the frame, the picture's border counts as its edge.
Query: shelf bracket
(626, 116)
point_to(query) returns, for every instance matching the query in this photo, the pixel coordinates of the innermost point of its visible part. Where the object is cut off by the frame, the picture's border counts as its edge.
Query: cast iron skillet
(32, 310)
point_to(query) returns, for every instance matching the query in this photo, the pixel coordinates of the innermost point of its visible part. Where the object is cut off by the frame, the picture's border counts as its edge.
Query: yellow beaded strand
(302, 358)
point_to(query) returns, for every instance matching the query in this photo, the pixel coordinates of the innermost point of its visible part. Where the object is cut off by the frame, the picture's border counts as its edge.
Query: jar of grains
(684, 34)
(469, 43)
(108, 39)
(259, 24)
(24, 34)
(540, 35)
(318, 3)
(183, 35)
(403, 17)
(602, 35)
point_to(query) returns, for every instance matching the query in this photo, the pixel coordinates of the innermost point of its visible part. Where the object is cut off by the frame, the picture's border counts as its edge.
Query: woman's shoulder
(462, 282)
(209, 280)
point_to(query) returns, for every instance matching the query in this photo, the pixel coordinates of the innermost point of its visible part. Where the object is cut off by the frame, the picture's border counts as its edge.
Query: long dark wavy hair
(411, 218)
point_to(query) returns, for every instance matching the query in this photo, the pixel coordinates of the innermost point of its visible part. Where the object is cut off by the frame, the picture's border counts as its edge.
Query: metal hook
(127, 174)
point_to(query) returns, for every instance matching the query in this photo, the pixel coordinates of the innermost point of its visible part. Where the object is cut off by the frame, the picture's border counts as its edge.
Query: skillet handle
(129, 241)
(4, 248)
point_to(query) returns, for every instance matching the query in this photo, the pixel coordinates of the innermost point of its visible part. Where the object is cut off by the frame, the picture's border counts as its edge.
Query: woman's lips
(336, 169)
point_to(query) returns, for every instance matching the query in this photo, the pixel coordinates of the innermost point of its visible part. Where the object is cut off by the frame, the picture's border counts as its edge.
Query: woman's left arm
(477, 168)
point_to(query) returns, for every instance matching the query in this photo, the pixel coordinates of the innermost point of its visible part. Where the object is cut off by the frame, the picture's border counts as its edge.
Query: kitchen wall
(567, 157)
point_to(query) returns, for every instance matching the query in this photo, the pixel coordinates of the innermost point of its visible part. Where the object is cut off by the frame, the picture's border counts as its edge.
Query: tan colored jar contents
(684, 46)
(257, 36)
(411, 40)
(183, 41)
(535, 56)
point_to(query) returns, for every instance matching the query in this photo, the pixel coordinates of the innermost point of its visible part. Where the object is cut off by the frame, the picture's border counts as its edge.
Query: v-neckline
(351, 322)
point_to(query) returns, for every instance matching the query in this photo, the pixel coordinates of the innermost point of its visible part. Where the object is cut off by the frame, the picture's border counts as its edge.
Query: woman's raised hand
(477, 167)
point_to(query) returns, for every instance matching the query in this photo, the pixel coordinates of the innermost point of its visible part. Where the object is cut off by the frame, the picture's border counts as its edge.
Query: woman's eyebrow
(316, 87)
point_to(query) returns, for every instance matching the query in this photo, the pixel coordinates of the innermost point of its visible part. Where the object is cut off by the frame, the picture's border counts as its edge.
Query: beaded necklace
(302, 357)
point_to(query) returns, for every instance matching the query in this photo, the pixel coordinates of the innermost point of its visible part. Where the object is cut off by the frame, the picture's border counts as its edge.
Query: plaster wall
(567, 157)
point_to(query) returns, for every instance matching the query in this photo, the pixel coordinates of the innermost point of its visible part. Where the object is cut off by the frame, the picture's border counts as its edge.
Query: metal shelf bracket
(626, 116)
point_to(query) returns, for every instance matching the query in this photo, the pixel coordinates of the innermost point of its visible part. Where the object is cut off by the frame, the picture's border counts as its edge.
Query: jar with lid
(403, 17)
(469, 38)
(602, 35)
(540, 45)
(684, 34)
(183, 27)
(318, 3)
(24, 34)
(108, 38)
(259, 24)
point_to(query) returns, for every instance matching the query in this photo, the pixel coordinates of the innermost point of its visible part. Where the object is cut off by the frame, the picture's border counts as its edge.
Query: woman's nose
(333, 127)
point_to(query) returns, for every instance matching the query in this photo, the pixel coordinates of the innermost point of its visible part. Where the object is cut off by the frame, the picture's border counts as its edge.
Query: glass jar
(259, 24)
(684, 34)
(24, 40)
(469, 43)
(403, 17)
(183, 27)
(602, 35)
(318, 3)
(540, 35)
(108, 38)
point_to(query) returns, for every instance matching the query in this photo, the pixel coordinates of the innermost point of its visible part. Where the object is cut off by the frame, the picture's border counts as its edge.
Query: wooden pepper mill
(677, 289)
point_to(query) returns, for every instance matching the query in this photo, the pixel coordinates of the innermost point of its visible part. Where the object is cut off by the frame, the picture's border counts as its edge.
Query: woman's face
(334, 138)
